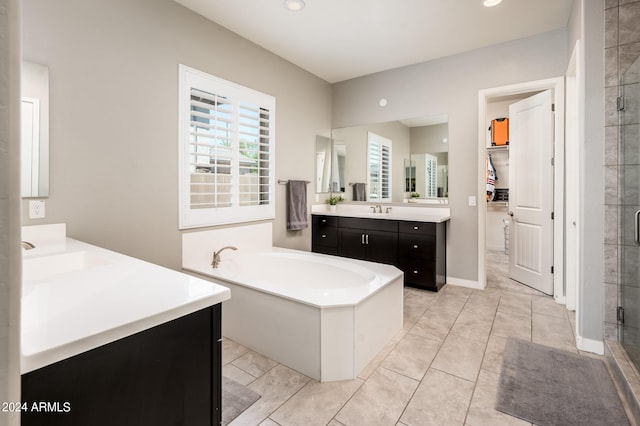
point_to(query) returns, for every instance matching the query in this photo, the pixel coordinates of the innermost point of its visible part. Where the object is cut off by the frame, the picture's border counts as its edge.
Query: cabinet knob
(415, 272)
(324, 235)
(324, 220)
(415, 246)
(416, 228)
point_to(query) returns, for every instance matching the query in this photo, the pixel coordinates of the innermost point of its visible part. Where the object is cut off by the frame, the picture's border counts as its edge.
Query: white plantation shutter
(431, 175)
(227, 148)
(379, 167)
(254, 161)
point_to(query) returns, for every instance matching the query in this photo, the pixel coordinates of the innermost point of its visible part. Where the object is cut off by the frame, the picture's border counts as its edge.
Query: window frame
(236, 94)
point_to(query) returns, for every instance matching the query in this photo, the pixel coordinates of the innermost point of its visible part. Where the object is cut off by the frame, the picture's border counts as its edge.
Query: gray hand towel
(359, 192)
(296, 205)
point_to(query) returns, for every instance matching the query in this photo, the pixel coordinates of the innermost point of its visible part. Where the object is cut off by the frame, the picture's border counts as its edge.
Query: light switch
(36, 209)
(472, 200)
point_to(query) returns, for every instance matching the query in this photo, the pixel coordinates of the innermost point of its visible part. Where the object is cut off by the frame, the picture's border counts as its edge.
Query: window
(227, 148)
(379, 167)
(431, 175)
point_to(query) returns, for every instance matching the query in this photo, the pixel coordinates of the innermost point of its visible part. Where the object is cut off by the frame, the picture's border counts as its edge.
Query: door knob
(511, 214)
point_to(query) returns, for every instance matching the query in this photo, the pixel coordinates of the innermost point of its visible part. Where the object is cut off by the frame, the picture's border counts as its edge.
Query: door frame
(573, 134)
(557, 85)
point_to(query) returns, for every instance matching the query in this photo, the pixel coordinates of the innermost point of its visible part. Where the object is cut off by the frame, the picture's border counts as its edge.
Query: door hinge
(553, 161)
(620, 103)
(620, 314)
(552, 269)
(552, 216)
(553, 107)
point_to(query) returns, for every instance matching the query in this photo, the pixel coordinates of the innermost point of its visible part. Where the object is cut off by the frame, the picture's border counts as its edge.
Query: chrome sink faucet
(379, 207)
(27, 245)
(216, 255)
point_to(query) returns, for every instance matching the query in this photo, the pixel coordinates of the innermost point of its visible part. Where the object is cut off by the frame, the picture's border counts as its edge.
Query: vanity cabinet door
(351, 243)
(365, 244)
(375, 240)
(382, 247)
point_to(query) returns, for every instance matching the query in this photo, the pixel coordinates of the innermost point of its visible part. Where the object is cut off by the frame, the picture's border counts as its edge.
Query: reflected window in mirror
(409, 175)
(430, 161)
(379, 168)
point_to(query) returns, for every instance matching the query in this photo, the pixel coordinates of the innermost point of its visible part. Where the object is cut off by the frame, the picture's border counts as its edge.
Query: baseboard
(464, 283)
(589, 345)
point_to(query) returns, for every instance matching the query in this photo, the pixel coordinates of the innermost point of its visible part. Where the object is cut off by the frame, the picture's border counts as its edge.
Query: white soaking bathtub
(324, 316)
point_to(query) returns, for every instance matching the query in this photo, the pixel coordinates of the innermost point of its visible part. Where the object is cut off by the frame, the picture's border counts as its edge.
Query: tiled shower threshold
(626, 378)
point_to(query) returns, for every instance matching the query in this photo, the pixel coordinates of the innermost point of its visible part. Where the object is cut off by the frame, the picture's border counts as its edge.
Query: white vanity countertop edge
(73, 312)
(414, 217)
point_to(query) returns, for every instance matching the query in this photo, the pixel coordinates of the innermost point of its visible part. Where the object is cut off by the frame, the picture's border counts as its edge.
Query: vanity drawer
(419, 273)
(417, 228)
(373, 224)
(325, 236)
(416, 246)
(325, 221)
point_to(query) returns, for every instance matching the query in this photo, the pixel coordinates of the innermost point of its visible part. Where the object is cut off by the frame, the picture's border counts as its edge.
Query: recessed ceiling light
(491, 3)
(294, 5)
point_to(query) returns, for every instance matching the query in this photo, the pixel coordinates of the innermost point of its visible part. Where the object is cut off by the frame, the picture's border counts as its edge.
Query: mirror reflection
(34, 131)
(323, 164)
(395, 161)
(330, 164)
(429, 162)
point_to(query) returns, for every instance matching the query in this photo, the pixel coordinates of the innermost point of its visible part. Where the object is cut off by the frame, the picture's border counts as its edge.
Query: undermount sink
(41, 267)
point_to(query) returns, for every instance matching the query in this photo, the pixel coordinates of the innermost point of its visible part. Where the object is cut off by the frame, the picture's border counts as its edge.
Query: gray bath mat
(235, 399)
(549, 386)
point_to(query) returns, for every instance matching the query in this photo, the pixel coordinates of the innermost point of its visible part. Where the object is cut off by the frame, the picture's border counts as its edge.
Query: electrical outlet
(36, 209)
(472, 201)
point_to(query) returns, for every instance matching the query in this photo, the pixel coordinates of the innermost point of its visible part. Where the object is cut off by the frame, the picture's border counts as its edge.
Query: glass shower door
(629, 193)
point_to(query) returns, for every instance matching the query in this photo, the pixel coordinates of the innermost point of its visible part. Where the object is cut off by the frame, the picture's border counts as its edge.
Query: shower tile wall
(622, 47)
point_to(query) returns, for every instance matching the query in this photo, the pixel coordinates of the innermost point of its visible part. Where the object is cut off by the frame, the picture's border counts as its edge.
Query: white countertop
(414, 213)
(76, 297)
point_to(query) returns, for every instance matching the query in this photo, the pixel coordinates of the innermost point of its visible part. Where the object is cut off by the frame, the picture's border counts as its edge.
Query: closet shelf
(498, 148)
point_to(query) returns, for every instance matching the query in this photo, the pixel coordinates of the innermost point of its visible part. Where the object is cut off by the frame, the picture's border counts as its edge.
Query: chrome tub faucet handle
(216, 255)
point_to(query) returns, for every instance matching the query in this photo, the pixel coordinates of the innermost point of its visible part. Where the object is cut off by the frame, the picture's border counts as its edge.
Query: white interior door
(531, 139)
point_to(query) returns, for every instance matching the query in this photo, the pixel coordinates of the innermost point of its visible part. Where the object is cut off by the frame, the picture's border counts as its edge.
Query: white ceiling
(341, 39)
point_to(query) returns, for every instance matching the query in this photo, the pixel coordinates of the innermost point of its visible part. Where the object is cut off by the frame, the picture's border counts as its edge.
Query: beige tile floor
(442, 368)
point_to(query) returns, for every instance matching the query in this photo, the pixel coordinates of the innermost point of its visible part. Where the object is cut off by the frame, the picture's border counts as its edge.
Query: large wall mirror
(34, 131)
(393, 161)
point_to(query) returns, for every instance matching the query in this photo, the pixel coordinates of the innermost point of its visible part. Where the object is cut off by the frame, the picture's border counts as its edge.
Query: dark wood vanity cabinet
(167, 375)
(417, 248)
(422, 254)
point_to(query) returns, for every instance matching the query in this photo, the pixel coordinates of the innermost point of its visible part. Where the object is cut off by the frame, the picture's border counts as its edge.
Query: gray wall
(450, 86)
(114, 109)
(591, 293)
(429, 139)
(9, 207)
